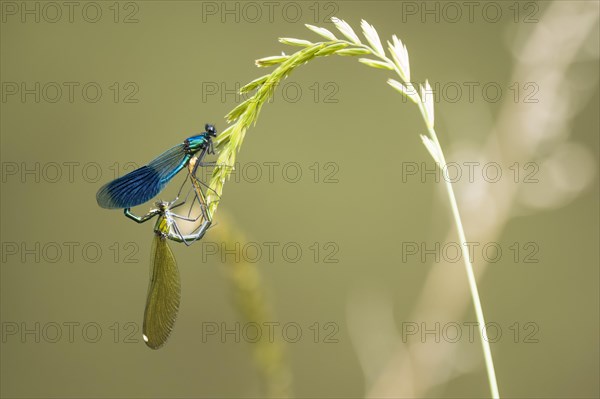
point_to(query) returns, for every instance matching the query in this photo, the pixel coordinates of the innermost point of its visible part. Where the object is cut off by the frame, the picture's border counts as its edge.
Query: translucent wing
(142, 184)
(164, 294)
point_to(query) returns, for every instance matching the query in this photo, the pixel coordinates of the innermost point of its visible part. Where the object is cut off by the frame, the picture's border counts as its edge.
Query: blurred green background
(166, 68)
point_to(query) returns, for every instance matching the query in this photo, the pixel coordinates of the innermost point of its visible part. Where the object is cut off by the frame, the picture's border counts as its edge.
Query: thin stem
(487, 353)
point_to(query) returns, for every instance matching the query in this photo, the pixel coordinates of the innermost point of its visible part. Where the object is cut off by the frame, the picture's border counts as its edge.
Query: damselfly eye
(211, 130)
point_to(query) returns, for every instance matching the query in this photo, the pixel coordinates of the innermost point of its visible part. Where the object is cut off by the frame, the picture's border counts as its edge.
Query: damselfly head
(211, 130)
(162, 205)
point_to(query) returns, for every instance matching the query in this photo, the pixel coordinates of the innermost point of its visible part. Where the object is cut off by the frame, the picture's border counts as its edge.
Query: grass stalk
(245, 114)
(487, 352)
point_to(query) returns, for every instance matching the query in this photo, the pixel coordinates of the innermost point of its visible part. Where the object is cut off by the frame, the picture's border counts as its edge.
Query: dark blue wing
(144, 183)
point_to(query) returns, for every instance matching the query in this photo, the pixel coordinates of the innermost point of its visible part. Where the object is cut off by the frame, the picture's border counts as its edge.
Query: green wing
(164, 294)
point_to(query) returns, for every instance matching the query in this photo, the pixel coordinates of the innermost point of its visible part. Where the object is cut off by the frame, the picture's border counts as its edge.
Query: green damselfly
(164, 289)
